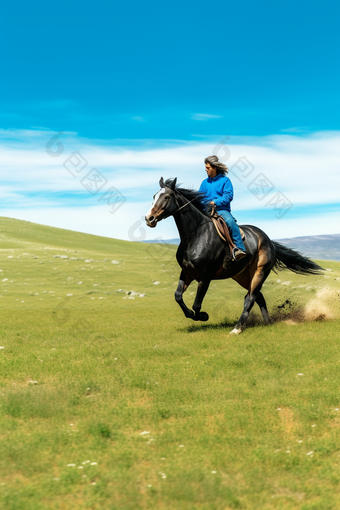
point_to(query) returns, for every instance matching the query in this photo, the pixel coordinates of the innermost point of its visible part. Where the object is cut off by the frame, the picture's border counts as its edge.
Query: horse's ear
(161, 182)
(173, 184)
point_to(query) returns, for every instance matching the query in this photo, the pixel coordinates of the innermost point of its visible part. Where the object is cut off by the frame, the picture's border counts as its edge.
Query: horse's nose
(150, 221)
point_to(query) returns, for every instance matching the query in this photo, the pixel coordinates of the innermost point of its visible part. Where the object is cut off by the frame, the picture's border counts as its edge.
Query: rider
(218, 191)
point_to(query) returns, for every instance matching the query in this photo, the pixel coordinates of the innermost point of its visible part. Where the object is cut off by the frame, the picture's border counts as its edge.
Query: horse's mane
(190, 194)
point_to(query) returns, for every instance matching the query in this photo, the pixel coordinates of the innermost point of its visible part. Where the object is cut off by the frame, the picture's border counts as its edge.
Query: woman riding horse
(203, 256)
(218, 191)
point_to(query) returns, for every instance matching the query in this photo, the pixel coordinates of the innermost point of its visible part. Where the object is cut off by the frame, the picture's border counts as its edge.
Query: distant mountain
(163, 241)
(325, 247)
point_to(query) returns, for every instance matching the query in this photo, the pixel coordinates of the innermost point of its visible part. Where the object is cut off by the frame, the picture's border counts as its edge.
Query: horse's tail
(286, 258)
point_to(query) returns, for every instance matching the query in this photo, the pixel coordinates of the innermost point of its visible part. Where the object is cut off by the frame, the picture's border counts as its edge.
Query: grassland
(112, 400)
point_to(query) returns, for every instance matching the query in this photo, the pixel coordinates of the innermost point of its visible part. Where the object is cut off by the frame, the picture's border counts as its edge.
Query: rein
(184, 205)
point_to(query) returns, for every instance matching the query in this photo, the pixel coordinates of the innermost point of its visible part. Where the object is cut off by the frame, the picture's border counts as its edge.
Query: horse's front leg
(201, 292)
(183, 284)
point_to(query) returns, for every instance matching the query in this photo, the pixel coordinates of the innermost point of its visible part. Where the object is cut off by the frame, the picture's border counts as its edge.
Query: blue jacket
(218, 190)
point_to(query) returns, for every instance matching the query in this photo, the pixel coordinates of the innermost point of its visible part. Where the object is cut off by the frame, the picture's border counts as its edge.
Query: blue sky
(146, 76)
(98, 68)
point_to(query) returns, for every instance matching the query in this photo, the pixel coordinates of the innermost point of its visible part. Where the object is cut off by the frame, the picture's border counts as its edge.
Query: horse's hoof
(235, 331)
(203, 316)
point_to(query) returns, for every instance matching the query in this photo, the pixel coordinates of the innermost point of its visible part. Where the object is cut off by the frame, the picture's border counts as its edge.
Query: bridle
(165, 217)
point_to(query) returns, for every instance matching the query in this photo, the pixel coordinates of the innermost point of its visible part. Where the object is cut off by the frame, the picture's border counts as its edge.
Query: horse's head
(164, 203)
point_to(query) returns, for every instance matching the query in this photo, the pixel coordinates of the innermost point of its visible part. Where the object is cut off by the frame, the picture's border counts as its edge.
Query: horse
(203, 256)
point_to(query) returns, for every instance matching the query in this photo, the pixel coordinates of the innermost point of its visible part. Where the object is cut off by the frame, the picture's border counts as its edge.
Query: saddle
(223, 230)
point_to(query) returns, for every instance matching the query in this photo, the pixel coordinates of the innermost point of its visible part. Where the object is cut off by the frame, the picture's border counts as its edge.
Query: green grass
(230, 422)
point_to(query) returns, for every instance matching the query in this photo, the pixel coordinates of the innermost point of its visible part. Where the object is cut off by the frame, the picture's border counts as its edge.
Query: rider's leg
(233, 227)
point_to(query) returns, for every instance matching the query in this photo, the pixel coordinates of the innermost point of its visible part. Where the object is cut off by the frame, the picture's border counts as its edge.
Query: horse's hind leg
(259, 277)
(249, 301)
(263, 307)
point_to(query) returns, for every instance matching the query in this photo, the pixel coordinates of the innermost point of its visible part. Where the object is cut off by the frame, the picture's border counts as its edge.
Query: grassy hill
(110, 398)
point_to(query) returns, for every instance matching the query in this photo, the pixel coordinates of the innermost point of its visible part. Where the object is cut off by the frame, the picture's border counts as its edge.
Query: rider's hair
(221, 168)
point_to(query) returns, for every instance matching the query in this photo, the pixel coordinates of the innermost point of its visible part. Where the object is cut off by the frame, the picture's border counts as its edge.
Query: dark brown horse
(203, 256)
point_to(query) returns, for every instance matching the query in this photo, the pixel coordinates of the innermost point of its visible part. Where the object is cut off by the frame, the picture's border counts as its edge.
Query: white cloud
(204, 116)
(37, 187)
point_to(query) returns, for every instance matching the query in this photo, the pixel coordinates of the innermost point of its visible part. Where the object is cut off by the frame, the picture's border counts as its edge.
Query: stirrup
(233, 254)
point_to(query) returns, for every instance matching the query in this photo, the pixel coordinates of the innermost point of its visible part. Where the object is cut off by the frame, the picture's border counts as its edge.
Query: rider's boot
(238, 254)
